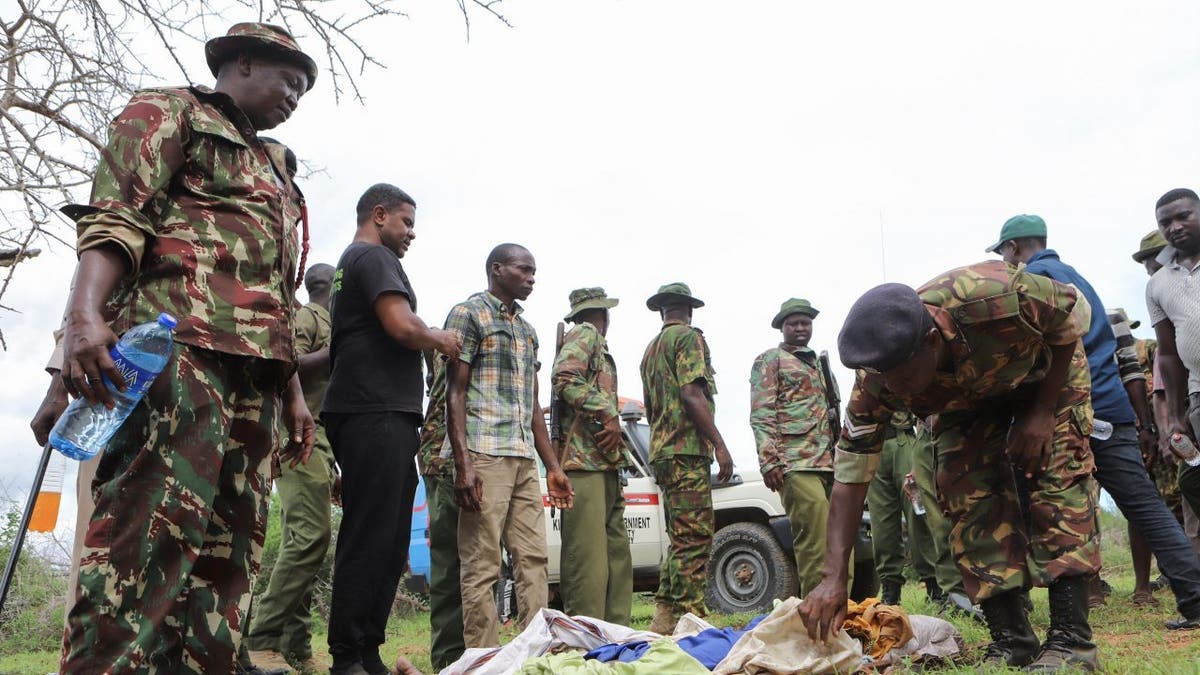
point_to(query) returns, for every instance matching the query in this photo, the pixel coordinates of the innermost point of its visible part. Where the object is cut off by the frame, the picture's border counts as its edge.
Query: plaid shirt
(501, 349)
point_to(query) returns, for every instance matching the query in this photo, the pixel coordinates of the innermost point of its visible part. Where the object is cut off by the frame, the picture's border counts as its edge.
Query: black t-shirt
(370, 372)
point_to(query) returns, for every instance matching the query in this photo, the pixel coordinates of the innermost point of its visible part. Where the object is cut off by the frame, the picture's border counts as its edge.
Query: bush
(32, 618)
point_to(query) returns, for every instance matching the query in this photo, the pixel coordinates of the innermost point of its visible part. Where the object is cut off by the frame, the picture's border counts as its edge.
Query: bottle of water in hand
(84, 429)
(1185, 449)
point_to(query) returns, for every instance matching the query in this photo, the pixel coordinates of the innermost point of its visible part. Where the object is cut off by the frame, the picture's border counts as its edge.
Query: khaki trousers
(513, 514)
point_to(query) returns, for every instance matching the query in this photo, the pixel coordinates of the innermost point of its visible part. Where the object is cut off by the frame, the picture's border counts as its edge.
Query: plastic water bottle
(84, 429)
(1185, 449)
(914, 494)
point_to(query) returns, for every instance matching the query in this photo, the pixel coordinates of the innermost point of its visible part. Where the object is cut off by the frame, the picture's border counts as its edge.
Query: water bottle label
(137, 379)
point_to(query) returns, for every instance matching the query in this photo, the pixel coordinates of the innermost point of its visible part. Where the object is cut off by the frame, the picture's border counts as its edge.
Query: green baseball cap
(675, 292)
(793, 306)
(1151, 245)
(1017, 227)
(589, 298)
(262, 37)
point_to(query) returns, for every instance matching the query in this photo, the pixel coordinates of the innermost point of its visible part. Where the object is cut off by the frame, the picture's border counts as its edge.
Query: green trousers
(888, 503)
(805, 497)
(596, 569)
(282, 617)
(937, 525)
(446, 643)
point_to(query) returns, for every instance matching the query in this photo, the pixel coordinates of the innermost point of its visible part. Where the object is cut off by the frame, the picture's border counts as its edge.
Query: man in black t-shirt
(371, 414)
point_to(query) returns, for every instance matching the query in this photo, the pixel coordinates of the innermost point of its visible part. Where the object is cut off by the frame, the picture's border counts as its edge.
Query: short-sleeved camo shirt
(678, 355)
(585, 381)
(789, 411)
(205, 214)
(999, 323)
(501, 348)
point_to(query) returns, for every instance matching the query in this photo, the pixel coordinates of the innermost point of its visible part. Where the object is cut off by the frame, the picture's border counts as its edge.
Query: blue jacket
(1109, 399)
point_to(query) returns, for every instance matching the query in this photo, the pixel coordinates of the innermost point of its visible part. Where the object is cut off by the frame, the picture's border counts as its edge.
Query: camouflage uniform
(1166, 476)
(282, 616)
(197, 204)
(445, 602)
(789, 413)
(998, 323)
(680, 457)
(596, 569)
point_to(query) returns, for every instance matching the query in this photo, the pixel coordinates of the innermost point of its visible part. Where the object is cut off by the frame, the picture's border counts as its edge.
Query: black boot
(1068, 643)
(933, 591)
(1013, 641)
(890, 594)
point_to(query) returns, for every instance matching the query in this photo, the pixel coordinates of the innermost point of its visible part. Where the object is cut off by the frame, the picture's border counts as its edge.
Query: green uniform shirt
(789, 411)
(313, 331)
(676, 356)
(585, 381)
(999, 323)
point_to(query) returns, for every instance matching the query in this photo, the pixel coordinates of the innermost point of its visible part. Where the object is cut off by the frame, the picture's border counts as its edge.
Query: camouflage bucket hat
(1151, 245)
(673, 293)
(793, 306)
(1118, 315)
(589, 298)
(258, 37)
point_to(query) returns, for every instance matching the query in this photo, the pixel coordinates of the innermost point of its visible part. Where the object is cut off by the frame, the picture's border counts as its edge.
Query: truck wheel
(747, 570)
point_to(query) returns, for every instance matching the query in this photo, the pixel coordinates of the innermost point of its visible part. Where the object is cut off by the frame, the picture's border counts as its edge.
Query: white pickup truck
(751, 562)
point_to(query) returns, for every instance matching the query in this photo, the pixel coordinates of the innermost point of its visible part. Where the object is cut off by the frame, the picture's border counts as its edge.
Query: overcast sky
(755, 150)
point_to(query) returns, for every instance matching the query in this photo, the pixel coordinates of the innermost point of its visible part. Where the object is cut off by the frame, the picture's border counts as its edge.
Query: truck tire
(747, 570)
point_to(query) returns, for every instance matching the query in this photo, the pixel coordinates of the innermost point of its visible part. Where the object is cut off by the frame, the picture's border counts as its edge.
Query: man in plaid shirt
(494, 426)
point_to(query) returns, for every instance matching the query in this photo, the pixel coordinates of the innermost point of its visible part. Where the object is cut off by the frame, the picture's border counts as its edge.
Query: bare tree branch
(66, 66)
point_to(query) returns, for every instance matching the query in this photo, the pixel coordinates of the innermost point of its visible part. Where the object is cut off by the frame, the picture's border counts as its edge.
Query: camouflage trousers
(687, 507)
(993, 547)
(181, 510)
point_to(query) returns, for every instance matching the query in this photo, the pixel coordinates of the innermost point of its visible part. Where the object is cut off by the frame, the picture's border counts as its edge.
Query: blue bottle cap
(167, 321)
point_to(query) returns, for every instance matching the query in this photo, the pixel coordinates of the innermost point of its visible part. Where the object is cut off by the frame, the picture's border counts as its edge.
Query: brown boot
(311, 666)
(664, 620)
(269, 659)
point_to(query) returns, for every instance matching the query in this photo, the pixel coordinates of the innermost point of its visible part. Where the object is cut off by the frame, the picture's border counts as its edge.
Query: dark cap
(793, 306)
(677, 293)
(883, 329)
(258, 37)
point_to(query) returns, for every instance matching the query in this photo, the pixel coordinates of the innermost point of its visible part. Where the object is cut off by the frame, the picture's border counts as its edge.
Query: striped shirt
(501, 349)
(1174, 293)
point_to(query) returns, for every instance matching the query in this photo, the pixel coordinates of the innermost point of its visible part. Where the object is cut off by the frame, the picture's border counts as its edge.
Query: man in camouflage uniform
(678, 389)
(996, 353)
(445, 600)
(281, 627)
(790, 416)
(191, 214)
(595, 563)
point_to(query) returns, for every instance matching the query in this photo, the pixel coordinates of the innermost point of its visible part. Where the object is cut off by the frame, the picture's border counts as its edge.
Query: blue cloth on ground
(711, 646)
(708, 646)
(625, 652)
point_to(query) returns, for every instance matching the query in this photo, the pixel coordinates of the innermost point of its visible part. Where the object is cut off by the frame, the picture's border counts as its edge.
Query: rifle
(555, 401)
(833, 397)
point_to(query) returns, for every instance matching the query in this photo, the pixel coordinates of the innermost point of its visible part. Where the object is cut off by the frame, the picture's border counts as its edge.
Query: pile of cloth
(776, 643)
